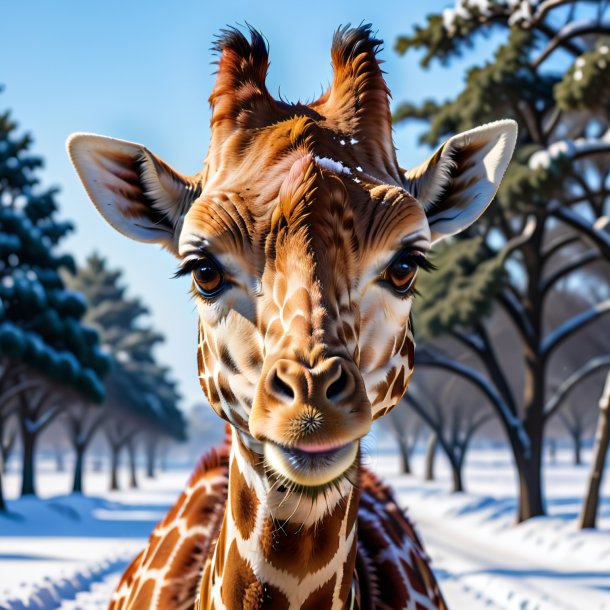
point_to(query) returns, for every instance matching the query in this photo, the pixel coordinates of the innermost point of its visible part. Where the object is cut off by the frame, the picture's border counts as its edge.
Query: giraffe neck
(299, 554)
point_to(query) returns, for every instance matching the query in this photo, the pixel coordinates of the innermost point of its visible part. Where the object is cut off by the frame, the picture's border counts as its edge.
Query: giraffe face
(304, 237)
(304, 300)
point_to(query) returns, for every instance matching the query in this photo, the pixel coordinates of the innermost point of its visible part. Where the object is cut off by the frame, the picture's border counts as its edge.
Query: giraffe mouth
(310, 468)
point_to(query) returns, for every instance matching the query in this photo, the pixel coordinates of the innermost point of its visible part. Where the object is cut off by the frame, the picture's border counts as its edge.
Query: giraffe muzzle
(310, 419)
(310, 468)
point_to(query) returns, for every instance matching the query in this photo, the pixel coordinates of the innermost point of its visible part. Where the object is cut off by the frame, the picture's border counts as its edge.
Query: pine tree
(141, 398)
(48, 358)
(550, 73)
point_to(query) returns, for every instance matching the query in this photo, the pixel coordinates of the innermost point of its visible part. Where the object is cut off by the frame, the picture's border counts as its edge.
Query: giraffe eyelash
(188, 266)
(424, 263)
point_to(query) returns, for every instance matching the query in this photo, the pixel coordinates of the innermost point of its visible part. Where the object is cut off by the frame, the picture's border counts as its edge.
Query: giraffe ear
(458, 182)
(136, 192)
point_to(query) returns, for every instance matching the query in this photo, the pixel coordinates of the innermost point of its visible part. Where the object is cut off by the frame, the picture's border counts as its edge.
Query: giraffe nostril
(335, 389)
(281, 387)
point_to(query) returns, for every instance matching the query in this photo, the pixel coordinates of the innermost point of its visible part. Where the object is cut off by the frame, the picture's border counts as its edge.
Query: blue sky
(142, 71)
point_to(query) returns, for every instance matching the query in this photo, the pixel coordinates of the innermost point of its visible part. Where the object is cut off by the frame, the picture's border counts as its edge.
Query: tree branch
(493, 367)
(600, 238)
(511, 422)
(35, 426)
(563, 38)
(556, 400)
(581, 261)
(17, 389)
(569, 328)
(552, 34)
(547, 6)
(474, 426)
(557, 244)
(435, 426)
(516, 313)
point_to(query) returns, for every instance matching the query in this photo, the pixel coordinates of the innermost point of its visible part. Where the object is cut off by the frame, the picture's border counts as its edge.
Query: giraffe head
(304, 238)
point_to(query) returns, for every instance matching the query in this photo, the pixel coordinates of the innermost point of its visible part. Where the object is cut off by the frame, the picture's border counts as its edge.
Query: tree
(46, 352)
(454, 415)
(407, 428)
(554, 196)
(141, 398)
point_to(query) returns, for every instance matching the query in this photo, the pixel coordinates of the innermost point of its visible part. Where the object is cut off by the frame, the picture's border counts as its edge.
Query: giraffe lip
(313, 450)
(310, 468)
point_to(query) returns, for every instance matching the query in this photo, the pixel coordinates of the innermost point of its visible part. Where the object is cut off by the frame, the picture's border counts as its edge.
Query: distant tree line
(73, 350)
(518, 309)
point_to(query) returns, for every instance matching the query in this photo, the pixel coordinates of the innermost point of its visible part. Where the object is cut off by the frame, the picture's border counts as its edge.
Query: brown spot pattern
(244, 503)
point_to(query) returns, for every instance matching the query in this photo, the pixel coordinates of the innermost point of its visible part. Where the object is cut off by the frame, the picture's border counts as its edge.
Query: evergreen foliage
(48, 358)
(460, 291)
(40, 320)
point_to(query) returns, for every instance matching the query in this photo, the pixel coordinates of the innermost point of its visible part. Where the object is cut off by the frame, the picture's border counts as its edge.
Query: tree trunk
(151, 457)
(552, 451)
(77, 486)
(531, 503)
(28, 486)
(430, 457)
(529, 459)
(405, 462)
(588, 517)
(528, 466)
(131, 452)
(577, 440)
(164, 458)
(456, 474)
(114, 467)
(6, 446)
(2, 503)
(60, 465)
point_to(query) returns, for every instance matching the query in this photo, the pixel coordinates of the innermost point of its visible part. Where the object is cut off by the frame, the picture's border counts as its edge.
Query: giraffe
(303, 237)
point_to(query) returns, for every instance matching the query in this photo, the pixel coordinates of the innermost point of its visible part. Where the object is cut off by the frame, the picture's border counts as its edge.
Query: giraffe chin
(310, 469)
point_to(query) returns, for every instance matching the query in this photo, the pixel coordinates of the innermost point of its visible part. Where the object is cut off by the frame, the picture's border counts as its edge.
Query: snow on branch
(572, 149)
(524, 12)
(462, 10)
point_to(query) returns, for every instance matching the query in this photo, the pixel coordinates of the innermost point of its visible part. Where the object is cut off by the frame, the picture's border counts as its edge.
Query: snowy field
(67, 552)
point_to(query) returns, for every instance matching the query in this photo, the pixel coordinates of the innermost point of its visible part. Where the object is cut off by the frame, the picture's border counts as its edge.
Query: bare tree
(407, 428)
(453, 412)
(83, 420)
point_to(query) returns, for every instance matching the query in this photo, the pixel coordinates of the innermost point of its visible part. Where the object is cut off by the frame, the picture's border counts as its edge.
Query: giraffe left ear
(140, 195)
(457, 183)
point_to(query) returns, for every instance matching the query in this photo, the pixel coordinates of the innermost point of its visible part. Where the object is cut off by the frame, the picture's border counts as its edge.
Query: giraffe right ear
(457, 183)
(137, 193)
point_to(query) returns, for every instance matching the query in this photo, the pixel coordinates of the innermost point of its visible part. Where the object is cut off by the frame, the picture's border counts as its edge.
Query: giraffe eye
(401, 272)
(208, 277)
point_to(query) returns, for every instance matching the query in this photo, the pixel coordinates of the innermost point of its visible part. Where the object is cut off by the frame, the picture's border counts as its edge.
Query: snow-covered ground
(67, 552)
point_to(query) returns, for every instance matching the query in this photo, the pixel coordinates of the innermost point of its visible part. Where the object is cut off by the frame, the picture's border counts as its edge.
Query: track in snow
(96, 598)
(89, 589)
(471, 574)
